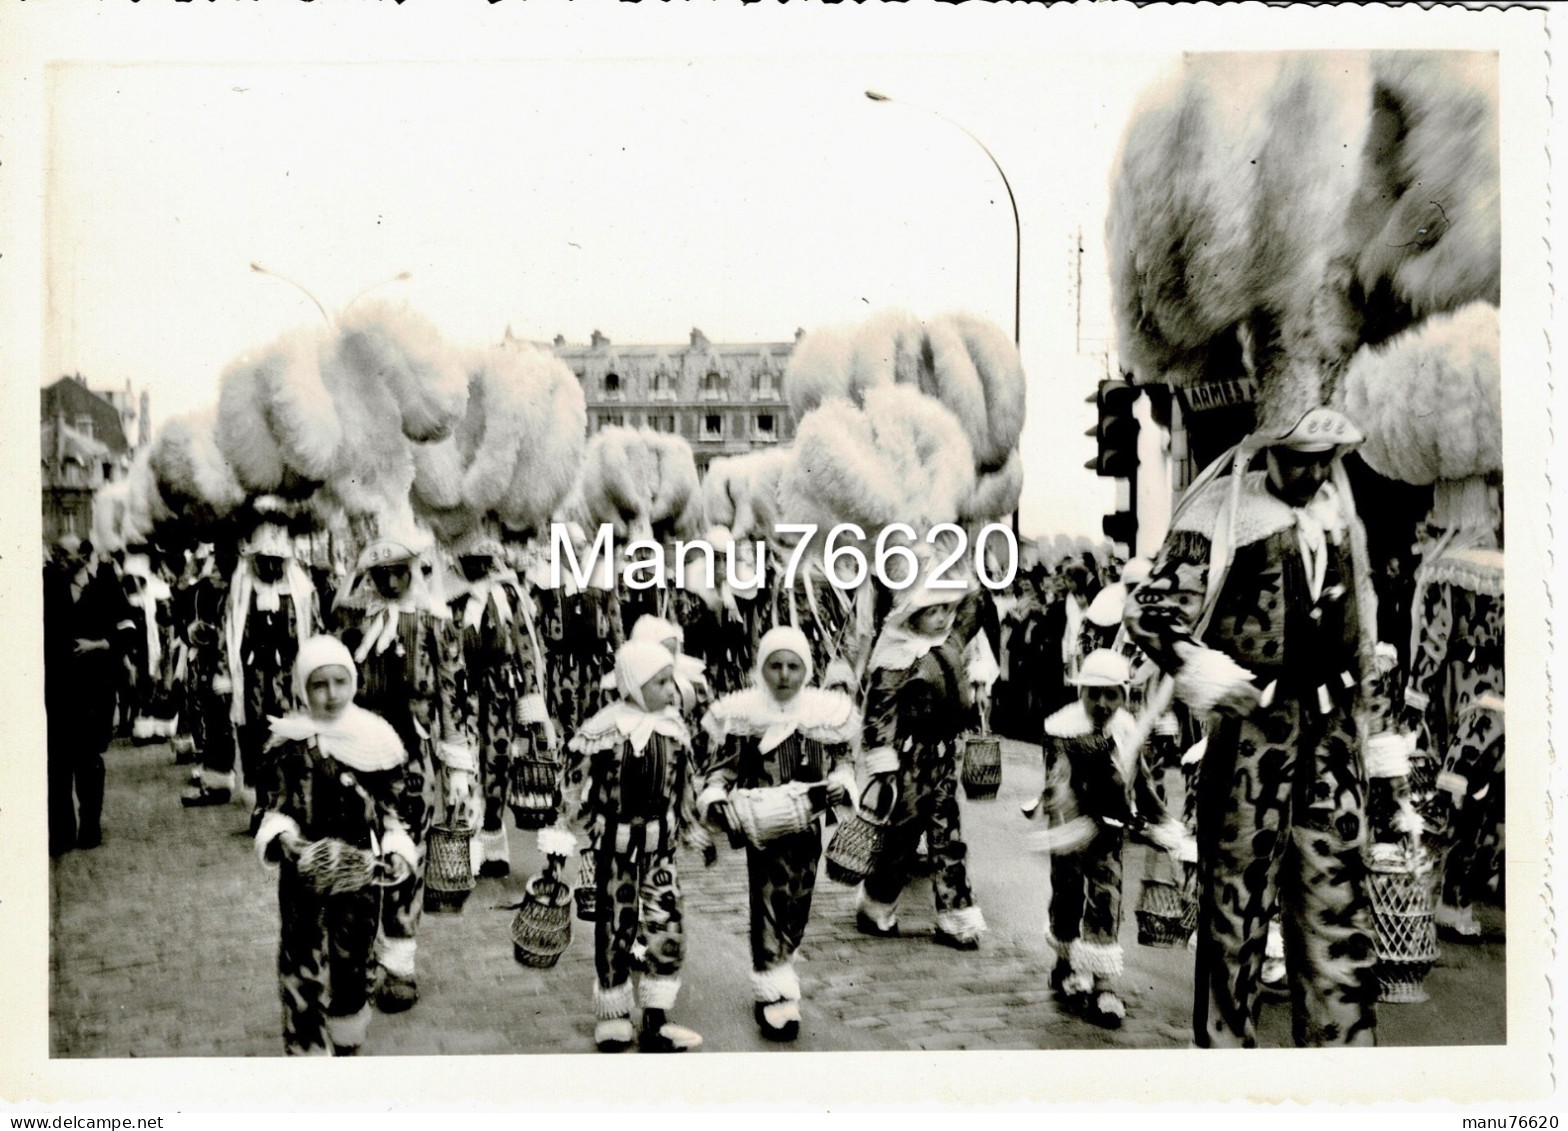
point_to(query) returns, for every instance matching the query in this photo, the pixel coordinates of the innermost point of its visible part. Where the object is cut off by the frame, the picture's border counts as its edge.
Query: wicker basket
(1166, 914)
(334, 867)
(859, 841)
(542, 927)
(587, 894)
(449, 869)
(982, 773)
(534, 792)
(765, 815)
(1422, 776)
(1406, 934)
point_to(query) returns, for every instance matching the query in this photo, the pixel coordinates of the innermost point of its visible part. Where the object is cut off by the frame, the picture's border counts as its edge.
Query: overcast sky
(747, 197)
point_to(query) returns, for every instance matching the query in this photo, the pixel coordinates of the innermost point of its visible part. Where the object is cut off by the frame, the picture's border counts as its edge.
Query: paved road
(164, 940)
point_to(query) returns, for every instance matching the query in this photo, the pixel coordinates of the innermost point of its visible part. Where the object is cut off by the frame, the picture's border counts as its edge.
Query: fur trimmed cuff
(613, 1003)
(556, 842)
(1100, 960)
(882, 760)
(1058, 947)
(658, 993)
(457, 756)
(531, 709)
(397, 842)
(710, 797)
(273, 825)
(349, 1032)
(492, 844)
(1388, 755)
(844, 776)
(778, 984)
(396, 956)
(963, 923)
(1416, 699)
(1456, 784)
(1207, 676)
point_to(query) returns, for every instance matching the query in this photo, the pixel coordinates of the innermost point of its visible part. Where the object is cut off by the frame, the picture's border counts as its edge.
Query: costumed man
(200, 602)
(1260, 608)
(150, 644)
(501, 700)
(83, 604)
(410, 657)
(271, 608)
(1455, 705)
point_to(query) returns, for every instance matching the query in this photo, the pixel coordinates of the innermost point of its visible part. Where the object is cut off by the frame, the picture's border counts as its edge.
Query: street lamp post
(1018, 232)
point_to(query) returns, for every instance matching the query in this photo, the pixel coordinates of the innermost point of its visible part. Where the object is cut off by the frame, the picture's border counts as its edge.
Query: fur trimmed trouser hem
(1100, 960)
(613, 1003)
(396, 956)
(349, 1032)
(658, 993)
(781, 983)
(962, 923)
(882, 914)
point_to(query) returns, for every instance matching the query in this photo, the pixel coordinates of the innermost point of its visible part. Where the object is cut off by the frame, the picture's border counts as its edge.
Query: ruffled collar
(625, 720)
(818, 714)
(358, 738)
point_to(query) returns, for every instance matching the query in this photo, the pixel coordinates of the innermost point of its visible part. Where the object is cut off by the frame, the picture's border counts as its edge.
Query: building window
(661, 422)
(611, 419)
(663, 386)
(765, 384)
(84, 425)
(612, 385)
(713, 385)
(713, 426)
(766, 428)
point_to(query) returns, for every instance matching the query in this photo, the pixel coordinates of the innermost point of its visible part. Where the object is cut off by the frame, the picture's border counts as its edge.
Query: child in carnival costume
(1096, 789)
(410, 656)
(337, 771)
(631, 786)
(780, 733)
(501, 700)
(915, 708)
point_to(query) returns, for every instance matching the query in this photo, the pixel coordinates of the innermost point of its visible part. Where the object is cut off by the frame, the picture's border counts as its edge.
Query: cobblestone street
(164, 940)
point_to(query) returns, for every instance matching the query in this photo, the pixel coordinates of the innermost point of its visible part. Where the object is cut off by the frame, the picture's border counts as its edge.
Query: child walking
(1094, 792)
(332, 828)
(631, 787)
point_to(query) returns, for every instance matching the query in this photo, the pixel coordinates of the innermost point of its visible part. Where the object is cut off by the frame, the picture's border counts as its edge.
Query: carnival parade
(489, 704)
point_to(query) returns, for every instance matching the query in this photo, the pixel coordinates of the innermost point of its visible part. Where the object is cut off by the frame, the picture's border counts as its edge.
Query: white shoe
(614, 1035)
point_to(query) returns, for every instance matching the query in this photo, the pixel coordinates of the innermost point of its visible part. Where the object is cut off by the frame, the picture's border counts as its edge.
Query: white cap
(1102, 668)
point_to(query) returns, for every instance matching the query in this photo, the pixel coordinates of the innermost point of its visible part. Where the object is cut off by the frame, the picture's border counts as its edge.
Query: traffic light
(1122, 527)
(1115, 431)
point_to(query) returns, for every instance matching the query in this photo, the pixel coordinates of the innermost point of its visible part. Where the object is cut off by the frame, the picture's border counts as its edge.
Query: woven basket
(542, 927)
(334, 867)
(1405, 931)
(765, 815)
(1166, 915)
(587, 894)
(859, 841)
(449, 870)
(982, 773)
(534, 792)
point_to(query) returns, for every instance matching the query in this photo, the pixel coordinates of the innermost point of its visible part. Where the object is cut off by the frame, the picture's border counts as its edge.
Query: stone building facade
(83, 444)
(724, 398)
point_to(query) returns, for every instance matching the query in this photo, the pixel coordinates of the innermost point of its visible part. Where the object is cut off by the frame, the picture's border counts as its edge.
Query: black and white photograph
(986, 545)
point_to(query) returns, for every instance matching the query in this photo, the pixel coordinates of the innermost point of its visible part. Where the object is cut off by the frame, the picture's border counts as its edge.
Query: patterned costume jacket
(1285, 784)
